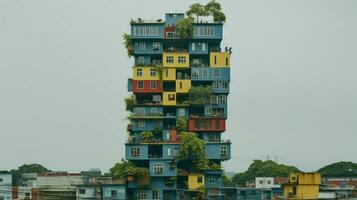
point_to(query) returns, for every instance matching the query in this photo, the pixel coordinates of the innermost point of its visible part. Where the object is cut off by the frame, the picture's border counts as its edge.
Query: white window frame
(223, 151)
(208, 110)
(222, 99)
(153, 72)
(203, 73)
(135, 151)
(156, 98)
(141, 60)
(158, 168)
(156, 46)
(142, 46)
(153, 110)
(181, 59)
(211, 180)
(214, 99)
(181, 112)
(142, 195)
(153, 84)
(155, 194)
(140, 111)
(169, 59)
(193, 46)
(168, 151)
(139, 72)
(203, 45)
(138, 85)
(195, 73)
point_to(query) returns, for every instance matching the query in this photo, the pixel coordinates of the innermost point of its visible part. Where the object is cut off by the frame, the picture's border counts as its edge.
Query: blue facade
(218, 151)
(146, 125)
(172, 18)
(210, 74)
(113, 192)
(198, 47)
(148, 110)
(131, 154)
(148, 47)
(216, 110)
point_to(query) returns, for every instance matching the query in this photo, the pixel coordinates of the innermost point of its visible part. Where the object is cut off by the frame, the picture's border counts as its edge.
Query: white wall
(59, 181)
(265, 182)
(5, 179)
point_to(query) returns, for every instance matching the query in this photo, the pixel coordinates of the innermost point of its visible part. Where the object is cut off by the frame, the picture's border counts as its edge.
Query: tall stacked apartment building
(166, 68)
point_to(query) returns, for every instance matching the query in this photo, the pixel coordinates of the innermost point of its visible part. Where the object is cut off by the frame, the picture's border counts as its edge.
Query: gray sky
(63, 74)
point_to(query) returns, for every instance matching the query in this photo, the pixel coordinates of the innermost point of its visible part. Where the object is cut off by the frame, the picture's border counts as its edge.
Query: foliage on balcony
(212, 8)
(129, 102)
(170, 181)
(200, 95)
(205, 164)
(191, 147)
(184, 28)
(143, 177)
(181, 124)
(146, 136)
(128, 44)
(122, 169)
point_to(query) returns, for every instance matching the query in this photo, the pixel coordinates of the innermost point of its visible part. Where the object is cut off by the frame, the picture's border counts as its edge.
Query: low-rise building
(302, 186)
(5, 186)
(265, 182)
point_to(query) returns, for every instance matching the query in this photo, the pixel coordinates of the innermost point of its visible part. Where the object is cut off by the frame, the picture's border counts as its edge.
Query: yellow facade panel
(196, 181)
(169, 98)
(220, 59)
(176, 59)
(146, 73)
(183, 86)
(168, 74)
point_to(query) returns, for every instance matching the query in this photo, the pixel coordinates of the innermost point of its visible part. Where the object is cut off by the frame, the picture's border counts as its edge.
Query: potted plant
(129, 173)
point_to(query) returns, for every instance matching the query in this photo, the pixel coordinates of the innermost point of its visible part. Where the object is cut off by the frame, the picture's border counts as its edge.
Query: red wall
(147, 88)
(206, 124)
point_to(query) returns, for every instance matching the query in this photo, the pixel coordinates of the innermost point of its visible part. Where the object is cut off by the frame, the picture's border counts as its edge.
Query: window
(260, 182)
(181, 59)
(156, 46)
(170, 59)
(114, 193)
(208, 110)
(156, 98)
(153, 110)
(269, 182)
(204, 73)
(146, 31)
(215, 60)
(180, 85)
(153, 84)
(141, 60)
(203, 46)
(216, 85)
(217, 124)
(222, 99)
(204, 31)
(152, 72)
(142, 195)
(1, 180)
(140, 85)
(223, 151)
(142, 45)
(155, 194)
(214, 99)
(195, 73)
(171, 97)
(141, 123)
(82, 191)
(158, 168)
(139, 72)
(181, 112)
(140, 111)
(227, 61)
(169, 151)
(135, 151)
(211, 180)
(193, 46)
(216, 73)
(199, 179)
(225, 85)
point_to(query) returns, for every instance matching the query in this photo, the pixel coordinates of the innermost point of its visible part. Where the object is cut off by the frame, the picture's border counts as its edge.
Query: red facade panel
(147, 86)
(207, 124)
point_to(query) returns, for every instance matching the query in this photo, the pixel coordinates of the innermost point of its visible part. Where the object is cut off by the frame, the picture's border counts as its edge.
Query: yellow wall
(220, 59)
(168, 74)
(305, 178)
(186, 85)
(166, 101)
(145, 73)
(175, 55)
(192, 181)
(302, 191)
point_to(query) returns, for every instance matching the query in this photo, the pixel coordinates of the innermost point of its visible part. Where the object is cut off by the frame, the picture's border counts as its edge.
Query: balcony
(139, 125)
(206, 124)
(160, 168)
(220, 59)
(144, 151)
(147, 29)
(142, 47)
(148, 112)
(207, 31)
(176, 59)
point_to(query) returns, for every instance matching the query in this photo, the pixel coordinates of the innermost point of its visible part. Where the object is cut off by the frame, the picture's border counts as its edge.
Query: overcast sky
(63, 75)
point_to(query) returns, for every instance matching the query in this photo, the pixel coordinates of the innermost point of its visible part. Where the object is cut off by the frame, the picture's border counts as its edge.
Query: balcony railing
(146, 21)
